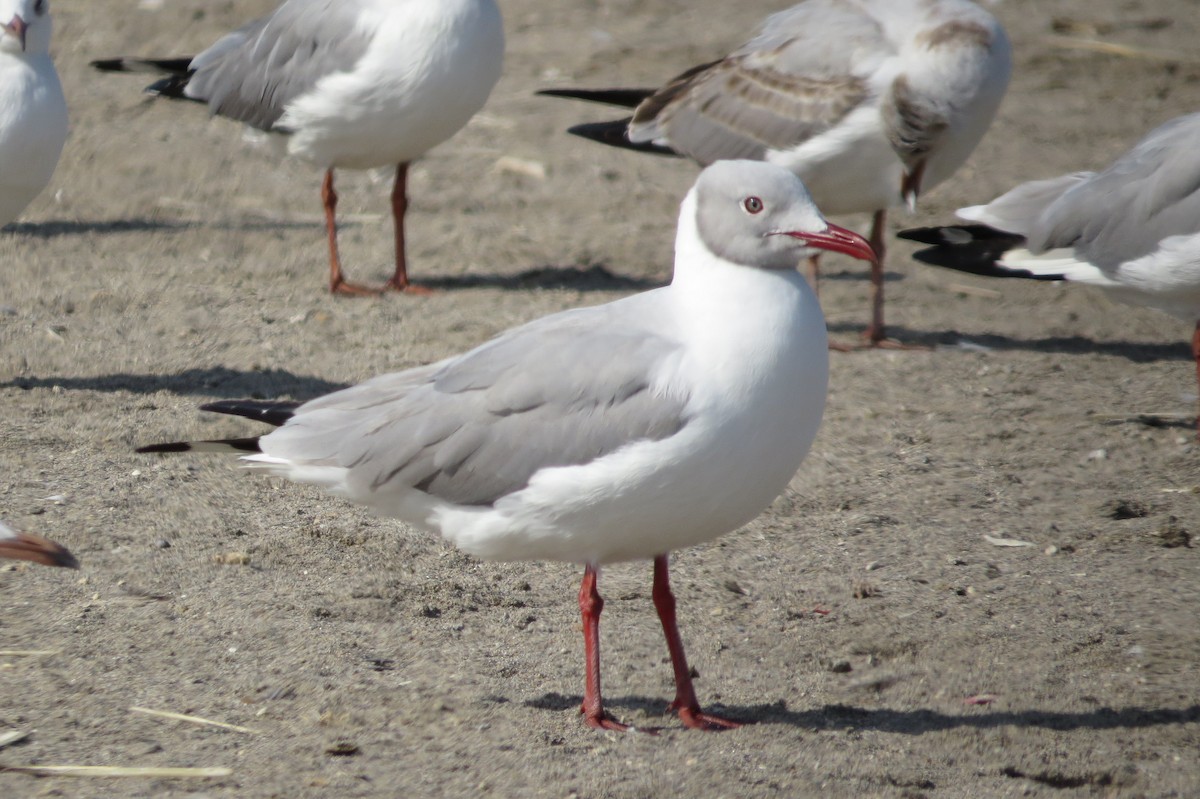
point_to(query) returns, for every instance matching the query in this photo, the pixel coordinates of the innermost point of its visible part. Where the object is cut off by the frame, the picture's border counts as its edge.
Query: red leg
(399, 280)
(875, 334)
(1196, 356)
(685, 695)
(337, 281)
(875, 331)
(590, 605)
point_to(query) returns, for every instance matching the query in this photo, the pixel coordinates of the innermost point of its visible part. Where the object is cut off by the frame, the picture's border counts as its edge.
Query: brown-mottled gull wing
(801, 75)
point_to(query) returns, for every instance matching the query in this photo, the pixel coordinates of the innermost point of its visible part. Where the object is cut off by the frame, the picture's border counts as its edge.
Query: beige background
(171, 263)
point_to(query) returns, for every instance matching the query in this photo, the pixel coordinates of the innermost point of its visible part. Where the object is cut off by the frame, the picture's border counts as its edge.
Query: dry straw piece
(167, 714)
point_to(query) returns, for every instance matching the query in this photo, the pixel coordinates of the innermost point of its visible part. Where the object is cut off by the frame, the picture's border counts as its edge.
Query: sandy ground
(171, 263)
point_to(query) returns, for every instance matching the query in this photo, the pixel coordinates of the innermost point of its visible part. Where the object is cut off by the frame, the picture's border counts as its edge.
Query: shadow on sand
(215, 381)
(903, 722)
(1138, 352)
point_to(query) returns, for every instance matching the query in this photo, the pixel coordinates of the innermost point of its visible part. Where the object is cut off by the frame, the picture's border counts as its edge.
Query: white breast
(756, 368)
(33, 129)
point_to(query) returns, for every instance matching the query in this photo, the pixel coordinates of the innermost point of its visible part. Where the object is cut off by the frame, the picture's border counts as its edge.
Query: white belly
(417, 85)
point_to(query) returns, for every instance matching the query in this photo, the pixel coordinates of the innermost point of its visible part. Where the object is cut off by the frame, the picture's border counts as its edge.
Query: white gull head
(25, 26)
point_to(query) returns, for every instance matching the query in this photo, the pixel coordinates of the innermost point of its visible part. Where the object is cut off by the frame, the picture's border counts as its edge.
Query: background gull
(357, 84)
(17, 545)
(603, 434)
(870, 102)
(1132, 230)
(33, 111)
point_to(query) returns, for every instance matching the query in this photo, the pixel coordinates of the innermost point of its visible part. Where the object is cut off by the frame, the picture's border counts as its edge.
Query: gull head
(760, 215)
(25, 25)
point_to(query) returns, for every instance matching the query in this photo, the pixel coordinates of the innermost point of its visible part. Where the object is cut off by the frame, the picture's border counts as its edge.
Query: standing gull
(356, 84)
(33, 111)
(870, 102)
(1132, 230)
(17, 545)
(602, 434)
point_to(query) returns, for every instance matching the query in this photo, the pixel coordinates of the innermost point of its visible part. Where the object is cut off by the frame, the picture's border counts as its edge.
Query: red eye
(753, 205)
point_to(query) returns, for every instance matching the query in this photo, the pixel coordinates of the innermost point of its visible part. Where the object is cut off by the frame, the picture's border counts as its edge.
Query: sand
(170, 263)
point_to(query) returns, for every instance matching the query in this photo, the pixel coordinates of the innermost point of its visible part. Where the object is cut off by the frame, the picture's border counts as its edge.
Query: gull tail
(176, 71)
(982, 250)
(16, 545)
(273, 413)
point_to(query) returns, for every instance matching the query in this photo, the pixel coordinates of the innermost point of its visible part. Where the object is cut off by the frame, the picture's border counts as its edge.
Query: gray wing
(1122, 213)
(561, 391)
(801, 75)
(253, 73)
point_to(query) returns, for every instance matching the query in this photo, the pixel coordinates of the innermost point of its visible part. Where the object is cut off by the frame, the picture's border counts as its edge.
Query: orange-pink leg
(337, 281)
(685, 702)
(590, 605)
(875, 330)
(399, 280)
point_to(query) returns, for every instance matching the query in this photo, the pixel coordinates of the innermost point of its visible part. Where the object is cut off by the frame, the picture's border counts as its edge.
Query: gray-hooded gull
(33, 111)
(870, 102)
(1132, 230)
(603, 434)
(355, 84)
(18, 545)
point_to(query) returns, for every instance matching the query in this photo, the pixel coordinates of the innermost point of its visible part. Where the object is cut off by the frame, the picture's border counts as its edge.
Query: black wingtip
(972, 249)
(954, 235)
(173, 446)
(171, 87)
(180, 65)
(275, 412)
(616, 134)
(212, 445)
(624, 98)
(63, 558)
(109, 65)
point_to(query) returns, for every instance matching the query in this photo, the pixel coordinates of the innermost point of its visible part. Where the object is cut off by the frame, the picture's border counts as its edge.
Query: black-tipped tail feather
(974, 249)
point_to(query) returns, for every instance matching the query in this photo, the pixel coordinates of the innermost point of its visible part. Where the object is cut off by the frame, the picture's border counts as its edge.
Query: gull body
(602, 434)
(869, 102)
(353, 85)
(1132, 230)
(33, 110)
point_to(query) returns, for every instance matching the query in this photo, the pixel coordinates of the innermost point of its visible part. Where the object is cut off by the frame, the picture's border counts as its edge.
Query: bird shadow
(213, 381)
(1135, 351)
(596, 277)
(56, 228)
(839, 717)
